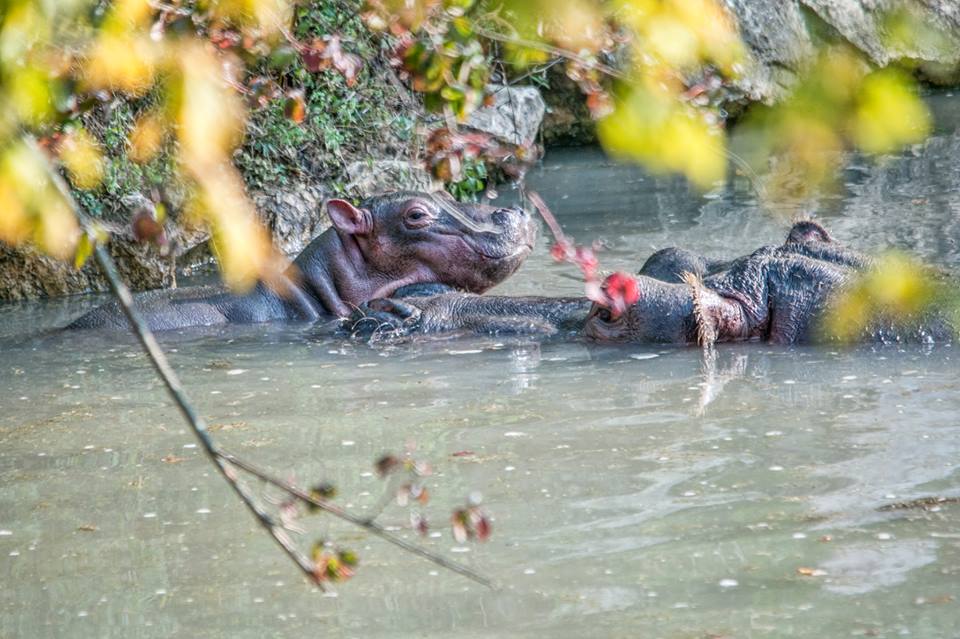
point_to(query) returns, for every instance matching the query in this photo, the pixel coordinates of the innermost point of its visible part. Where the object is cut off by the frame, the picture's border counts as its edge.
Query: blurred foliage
(653, 74)
(141, 96)
(897, 292)
(138, 95)
(629, 57)
(839, 103)
(59, 61)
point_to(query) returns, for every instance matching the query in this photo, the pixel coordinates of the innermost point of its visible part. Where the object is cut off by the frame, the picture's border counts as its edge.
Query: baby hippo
(386, 243)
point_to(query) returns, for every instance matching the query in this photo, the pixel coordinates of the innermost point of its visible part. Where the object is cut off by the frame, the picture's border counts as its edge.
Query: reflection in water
(637, 491)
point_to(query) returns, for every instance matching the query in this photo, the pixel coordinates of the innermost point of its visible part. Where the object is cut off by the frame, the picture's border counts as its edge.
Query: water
(634, 492)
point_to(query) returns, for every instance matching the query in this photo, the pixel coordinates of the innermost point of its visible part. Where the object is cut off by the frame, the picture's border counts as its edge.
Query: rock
(515, 116)
(567, 121)
(863, 23)
(379, 176)
(780, 38)
(778, 44)
(25, 273)
(293, 214)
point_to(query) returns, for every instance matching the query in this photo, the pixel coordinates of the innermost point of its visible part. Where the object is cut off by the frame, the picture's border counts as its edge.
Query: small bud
(483, 528)
(321, 492)
(386, 465)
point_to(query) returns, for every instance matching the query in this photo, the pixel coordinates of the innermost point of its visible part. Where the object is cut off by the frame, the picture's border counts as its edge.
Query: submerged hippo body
(392, 241)
(670, 265)
(769, 296)
(806, 238)
(777, 294)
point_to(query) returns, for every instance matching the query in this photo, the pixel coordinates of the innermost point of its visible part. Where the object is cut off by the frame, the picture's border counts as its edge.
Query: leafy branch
(320, 567)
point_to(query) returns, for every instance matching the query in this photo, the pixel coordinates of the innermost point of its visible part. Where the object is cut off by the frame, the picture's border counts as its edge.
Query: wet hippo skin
(777, 294)
(389, 242)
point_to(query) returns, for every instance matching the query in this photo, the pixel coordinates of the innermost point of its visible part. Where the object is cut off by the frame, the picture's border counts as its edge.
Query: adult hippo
(773, 296)
(777, 294)
(404, 240)
(806, 237)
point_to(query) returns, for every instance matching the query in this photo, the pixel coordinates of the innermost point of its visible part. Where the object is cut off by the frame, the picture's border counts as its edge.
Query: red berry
(559, 251)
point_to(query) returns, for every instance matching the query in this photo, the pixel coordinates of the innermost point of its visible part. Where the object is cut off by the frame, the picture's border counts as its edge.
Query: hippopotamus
(777, 294)
(806, 237)
(414, 243)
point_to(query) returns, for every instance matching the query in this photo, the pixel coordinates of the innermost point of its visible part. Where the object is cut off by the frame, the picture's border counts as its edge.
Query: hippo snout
(504, 216)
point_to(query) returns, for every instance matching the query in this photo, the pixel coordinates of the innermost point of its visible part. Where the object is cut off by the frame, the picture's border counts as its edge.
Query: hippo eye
(417, 217)
(604, 314)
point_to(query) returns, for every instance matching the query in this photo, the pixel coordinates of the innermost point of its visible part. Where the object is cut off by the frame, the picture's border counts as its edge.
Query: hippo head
(409, 237)
(807, 231)
(663, 314)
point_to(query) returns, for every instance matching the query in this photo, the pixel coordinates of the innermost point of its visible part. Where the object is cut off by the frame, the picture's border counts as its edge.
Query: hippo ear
(349, 219)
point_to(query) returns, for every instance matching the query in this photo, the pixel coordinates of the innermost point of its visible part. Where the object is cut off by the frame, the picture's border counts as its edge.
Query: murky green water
(633, 494)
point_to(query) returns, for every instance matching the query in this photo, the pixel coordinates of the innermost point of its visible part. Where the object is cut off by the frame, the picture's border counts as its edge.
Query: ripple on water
(607, 488)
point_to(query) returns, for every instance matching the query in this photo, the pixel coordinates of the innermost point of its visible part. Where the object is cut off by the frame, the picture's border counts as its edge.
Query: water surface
(635, 492)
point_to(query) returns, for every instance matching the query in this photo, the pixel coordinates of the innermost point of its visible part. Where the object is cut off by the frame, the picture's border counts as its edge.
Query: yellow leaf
(83, 252)
(14, 221)
(265, 15)
(24, 24)
(671, 41)
(692, 148)
(146, 137)
(241, 244)
(57, 232)
(664, 135)
(124, 62)
(209, 113)
(126, 15)
(897, 289)
(81, 154)
(28, 90)
(889, 115)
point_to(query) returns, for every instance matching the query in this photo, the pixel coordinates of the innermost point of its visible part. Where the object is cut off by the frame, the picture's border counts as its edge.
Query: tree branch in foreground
(227, 463)
(323, 566)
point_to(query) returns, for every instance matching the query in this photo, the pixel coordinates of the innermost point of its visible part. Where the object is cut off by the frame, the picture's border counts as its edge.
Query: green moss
(343, 123)
(112, 124)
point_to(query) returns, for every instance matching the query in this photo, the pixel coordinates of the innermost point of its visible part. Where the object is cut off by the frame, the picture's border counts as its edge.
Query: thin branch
(362, 522)
(225, 461)
(543, 68)
(552, 50)
(197, 424)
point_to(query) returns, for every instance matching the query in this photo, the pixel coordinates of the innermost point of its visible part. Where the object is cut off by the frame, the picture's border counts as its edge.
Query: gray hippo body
(389, 242)
(777, 294)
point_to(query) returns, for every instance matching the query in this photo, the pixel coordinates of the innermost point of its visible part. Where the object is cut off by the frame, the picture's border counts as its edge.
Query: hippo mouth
(522, 250)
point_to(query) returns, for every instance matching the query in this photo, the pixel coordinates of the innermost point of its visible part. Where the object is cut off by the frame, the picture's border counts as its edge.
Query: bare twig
(552, 50)
(362, 522)
(225, 462)
(197, 424)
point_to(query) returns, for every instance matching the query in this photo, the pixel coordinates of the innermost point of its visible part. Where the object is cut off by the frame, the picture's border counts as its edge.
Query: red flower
(622, 290)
